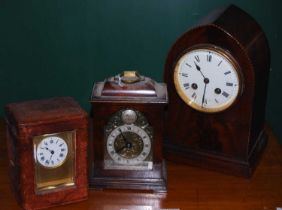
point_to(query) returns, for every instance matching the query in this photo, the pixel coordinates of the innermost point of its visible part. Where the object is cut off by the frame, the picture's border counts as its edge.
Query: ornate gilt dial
(128, 138)
(128, 144)
(207, 79)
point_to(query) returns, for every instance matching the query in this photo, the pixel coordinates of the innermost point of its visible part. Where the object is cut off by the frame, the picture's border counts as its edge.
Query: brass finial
(130, 76)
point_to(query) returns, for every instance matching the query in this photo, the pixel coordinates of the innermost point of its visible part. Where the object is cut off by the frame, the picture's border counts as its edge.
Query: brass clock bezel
(227, 56)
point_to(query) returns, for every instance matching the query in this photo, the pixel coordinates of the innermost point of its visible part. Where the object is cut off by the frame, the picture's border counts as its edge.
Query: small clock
(217, 76)
(127, 116)
(47, 144)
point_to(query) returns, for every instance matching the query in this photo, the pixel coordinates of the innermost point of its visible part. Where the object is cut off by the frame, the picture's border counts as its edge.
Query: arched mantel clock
(217, 75)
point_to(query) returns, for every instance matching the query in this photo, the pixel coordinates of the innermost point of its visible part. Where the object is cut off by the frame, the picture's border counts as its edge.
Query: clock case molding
(233, 140)
(109, 97)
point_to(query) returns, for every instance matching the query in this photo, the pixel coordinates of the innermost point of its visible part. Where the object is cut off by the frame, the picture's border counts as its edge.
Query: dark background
(60, 47)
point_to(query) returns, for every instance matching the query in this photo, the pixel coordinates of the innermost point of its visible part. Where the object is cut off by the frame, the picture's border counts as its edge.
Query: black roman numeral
(184, 74)
(186, 85)
(197, 58)
(225, 94)
(209, 58)
(228, 72)
(187, 64)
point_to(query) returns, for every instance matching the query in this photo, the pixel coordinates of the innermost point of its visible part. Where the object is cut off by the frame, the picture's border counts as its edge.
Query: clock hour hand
(46, 148)
(199, 69)
(122, 148)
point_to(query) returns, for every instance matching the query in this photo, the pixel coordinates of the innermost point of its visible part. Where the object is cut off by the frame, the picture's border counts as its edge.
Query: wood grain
(189, 188)
(33, 118)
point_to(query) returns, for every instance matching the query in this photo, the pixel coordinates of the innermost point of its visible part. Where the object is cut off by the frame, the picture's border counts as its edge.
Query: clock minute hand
(52, 153)
(203, 98)
(206, 81)
(123, 137)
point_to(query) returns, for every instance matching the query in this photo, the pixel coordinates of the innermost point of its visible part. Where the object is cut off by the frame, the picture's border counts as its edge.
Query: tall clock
(217, 75)
(127, 133)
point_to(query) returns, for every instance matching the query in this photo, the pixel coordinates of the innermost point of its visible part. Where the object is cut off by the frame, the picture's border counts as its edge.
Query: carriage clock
(47, 147)
(217, 75)
(126, 149)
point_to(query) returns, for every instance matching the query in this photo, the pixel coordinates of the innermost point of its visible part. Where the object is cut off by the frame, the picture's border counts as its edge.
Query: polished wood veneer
(29, 119)
(230, 141)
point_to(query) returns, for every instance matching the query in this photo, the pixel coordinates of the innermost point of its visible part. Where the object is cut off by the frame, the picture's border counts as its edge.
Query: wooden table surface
(188, 188)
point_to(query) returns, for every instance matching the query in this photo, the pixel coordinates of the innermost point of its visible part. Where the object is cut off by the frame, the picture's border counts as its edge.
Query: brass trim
(130, 77)
(53, 178)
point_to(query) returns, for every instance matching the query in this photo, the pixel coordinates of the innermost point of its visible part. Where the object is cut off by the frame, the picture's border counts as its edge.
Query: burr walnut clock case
(126, 149)
(217, 75)
(47, 149)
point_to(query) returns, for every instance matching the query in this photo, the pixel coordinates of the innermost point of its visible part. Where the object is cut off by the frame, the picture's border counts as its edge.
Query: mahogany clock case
(33, 118)
(230, 141)
(108, 97)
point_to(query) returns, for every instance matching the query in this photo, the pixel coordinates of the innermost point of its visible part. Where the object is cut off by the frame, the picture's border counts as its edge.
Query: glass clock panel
(128, 141)
(207, 79)
(54, 157)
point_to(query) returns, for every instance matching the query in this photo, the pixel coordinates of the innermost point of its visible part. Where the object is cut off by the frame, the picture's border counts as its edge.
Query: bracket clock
(127, 117)
(47, 147)
(217, 75)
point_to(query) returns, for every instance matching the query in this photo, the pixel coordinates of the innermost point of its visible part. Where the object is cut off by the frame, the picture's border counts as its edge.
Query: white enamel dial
(52, 151)
(207, 79)
(128, 145)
